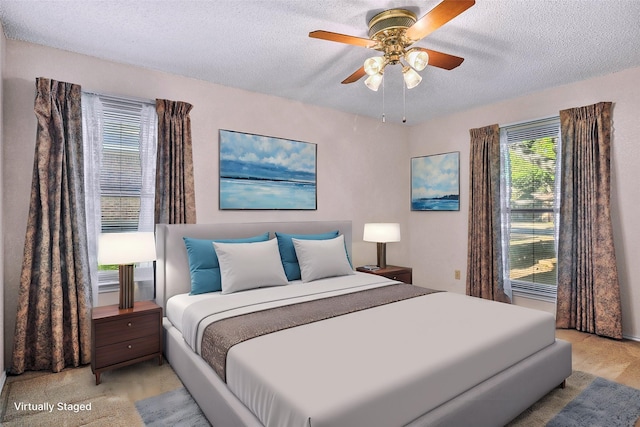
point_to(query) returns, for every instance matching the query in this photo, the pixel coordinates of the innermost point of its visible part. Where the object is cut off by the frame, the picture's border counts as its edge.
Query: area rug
(172, 408)
(602, 403)
(586, 401)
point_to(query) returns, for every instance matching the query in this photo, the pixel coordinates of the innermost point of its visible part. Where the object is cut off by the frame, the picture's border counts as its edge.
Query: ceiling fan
(393, 32)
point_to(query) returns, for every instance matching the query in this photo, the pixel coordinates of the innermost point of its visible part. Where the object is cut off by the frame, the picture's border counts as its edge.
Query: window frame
(131, 111)
(513, 133)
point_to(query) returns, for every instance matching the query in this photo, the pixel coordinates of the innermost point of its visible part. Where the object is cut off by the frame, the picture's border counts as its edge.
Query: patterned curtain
(484, 257)
(588, 290)
(53, 323)
(175, 193)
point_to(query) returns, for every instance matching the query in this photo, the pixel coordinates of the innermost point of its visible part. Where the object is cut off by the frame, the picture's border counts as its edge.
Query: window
(530, 195)
(121, 171)
(120, 154)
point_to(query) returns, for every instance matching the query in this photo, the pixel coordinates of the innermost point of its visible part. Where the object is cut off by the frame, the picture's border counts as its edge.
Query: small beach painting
(435, 182)
(263, 172)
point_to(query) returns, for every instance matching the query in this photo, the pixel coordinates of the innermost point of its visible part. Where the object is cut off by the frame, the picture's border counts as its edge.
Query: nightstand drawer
(127, 350)
(126, 328)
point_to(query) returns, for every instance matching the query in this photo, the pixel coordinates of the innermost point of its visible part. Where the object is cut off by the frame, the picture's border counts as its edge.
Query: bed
(434, 358)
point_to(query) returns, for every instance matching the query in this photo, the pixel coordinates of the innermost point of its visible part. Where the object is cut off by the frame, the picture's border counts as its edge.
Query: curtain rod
(122, 97)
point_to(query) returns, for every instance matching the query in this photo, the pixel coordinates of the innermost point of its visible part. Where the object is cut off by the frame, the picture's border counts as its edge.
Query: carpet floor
(113, 402)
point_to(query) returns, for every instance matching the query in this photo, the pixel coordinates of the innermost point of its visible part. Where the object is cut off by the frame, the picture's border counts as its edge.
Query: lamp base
(125, 275)
(382, 255)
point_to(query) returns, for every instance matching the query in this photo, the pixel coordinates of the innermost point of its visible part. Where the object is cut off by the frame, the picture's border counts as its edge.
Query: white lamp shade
(373, 82)
(126, 248)
(411, 77)
(417, 58)
(381, 232)
(373, 65)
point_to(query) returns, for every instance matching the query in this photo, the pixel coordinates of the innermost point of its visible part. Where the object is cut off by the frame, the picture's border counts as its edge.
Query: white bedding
(193, 313)
(379, 367)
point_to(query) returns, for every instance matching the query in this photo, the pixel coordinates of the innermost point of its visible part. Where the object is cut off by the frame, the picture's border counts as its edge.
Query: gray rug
(603, 403)
(173, 408)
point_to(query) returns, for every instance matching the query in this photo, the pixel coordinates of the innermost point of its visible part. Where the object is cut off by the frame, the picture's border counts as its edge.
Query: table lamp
(124, 250)
(381, 233)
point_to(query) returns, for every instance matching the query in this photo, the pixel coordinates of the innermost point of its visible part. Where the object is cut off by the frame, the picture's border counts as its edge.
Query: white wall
(361, 162)
(439, 239)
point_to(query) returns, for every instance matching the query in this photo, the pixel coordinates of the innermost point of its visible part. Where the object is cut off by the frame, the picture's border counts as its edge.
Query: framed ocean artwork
(264, 172)
(435, 182)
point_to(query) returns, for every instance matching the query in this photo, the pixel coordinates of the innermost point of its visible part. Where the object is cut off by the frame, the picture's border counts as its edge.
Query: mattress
(383, 366)
(178, 304)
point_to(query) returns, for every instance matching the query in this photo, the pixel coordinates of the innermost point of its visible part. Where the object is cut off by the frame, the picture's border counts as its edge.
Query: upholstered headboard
(172, 264)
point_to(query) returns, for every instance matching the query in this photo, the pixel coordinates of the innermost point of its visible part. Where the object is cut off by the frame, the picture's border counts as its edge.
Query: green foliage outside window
(532, 168)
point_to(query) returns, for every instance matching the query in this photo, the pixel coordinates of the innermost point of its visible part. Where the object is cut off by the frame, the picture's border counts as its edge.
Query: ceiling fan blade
(442, 60)
(355, 76)
(342, 38)
(437, 17)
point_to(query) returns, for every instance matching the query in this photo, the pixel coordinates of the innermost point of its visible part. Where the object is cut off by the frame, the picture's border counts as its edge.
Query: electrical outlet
(457, 274)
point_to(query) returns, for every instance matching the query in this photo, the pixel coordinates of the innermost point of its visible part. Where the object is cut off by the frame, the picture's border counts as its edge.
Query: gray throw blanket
(223, 334)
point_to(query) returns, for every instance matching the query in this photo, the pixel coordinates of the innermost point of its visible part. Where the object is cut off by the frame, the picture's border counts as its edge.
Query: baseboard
(631, 337)
(3, 378)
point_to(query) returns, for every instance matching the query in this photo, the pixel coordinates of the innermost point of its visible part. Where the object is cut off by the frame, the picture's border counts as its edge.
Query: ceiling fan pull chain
(383, 118)
(404, 104)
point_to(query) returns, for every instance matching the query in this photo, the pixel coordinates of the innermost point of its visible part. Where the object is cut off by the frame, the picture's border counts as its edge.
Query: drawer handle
(129, 324)
(129, 346)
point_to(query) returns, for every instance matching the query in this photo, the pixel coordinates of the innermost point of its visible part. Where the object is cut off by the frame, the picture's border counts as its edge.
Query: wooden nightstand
(121, 337)
(393, 272)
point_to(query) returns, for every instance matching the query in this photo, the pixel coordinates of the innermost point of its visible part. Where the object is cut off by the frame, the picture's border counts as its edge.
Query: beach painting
(263, 172)
(435, 182)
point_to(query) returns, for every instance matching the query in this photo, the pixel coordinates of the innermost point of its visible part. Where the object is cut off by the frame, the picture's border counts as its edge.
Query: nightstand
(393, 272)
(121, 337)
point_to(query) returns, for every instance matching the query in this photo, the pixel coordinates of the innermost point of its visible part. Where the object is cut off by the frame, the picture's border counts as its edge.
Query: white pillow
(322, 258)
(246, 266)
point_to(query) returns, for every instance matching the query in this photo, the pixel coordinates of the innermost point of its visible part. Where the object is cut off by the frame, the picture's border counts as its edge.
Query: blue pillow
(203, 262)
(288, 252)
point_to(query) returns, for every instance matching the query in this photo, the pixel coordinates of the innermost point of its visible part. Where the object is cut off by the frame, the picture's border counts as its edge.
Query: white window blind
(529, 206)
(121, 173)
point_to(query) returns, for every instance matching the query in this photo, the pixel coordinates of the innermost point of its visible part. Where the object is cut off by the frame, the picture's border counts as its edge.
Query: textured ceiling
(511, 47)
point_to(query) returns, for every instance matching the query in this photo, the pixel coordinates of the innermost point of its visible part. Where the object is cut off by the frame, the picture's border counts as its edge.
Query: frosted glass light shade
(381, 232)
(418, 59)
(373, 82)
(411, 77)
(373, 65)
(126, 248)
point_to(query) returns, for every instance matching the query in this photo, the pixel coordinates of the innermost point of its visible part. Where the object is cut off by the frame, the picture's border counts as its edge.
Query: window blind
(121, 174)
(544, 128)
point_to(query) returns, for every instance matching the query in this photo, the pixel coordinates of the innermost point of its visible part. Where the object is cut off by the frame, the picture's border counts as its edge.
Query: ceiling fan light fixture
(418, 59)
(373, 81)
(411, 77)
(373, 65)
